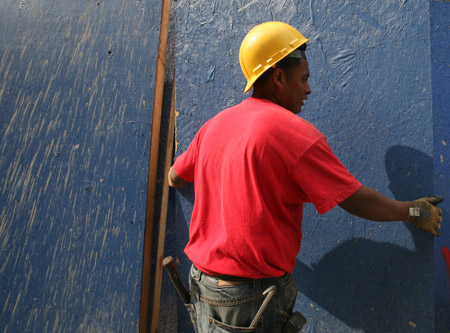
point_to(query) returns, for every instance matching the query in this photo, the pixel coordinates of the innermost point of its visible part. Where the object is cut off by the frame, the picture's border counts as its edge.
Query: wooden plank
(163, 218)
(153, 165)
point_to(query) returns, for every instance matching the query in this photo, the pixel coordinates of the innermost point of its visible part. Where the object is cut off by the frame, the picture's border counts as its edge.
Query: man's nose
(308, 89)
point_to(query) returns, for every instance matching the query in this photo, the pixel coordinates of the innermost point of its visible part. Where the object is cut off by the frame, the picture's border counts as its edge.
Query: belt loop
(256, 283)
(197, 273)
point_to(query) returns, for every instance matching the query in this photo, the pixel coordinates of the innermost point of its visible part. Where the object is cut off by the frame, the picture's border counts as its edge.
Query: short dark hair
(286, 64)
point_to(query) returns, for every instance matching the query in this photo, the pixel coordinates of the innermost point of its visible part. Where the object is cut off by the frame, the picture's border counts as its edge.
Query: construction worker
(254, 165)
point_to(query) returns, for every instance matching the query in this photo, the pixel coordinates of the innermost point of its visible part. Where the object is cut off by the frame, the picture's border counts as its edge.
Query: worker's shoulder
(279, 119)
(255, 115)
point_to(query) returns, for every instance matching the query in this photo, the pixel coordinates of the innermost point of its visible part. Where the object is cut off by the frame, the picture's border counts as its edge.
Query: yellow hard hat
(264, 46)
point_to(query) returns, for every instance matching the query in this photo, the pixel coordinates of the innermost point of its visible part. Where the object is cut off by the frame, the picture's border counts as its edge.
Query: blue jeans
(229, 304)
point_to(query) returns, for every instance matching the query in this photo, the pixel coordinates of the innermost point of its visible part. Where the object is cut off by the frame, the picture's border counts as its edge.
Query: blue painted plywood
(440, 58)
(76, 91)
(371, 83)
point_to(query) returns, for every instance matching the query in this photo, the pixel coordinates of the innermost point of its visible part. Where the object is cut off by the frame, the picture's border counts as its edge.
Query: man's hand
(424, 214)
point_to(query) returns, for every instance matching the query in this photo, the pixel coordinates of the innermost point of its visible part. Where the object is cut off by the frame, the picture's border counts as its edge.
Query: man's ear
(278, 78)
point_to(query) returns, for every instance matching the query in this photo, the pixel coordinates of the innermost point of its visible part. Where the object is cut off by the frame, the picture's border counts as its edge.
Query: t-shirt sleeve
(323, 178)
(184, 165)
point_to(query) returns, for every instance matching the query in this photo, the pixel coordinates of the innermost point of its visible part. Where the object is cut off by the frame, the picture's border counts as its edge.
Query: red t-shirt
(253, 166)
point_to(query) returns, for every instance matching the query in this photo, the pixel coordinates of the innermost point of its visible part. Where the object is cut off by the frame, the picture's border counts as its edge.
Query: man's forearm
(372, 205)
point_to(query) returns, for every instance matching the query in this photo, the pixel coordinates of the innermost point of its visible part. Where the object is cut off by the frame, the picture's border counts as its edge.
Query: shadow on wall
(380, 286)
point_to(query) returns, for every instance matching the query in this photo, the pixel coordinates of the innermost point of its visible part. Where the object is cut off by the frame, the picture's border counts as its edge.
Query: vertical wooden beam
(163, 217)
(153, 166)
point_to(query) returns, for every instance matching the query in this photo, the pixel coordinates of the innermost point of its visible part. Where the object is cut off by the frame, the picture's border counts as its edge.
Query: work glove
(424, 214)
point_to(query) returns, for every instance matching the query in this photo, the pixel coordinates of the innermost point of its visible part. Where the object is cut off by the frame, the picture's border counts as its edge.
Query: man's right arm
(372, 205)
(175, 180)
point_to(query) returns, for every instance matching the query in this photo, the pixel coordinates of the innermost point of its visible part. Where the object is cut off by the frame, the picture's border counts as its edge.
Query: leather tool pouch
(294, 324)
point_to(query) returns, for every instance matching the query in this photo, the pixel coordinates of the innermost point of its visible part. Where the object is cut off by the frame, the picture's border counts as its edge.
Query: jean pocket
(290, 294)
(192, 314)
(216, 326)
